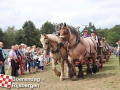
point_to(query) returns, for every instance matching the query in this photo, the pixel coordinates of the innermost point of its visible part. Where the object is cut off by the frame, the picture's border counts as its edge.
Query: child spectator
(9, 64)
(36, 61)
(41, 59)
(30, 57)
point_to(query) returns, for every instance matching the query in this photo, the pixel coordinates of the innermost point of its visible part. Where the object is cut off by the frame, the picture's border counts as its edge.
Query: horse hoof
(74, 78)
(58, 74)
(61, 79)
(67, 75)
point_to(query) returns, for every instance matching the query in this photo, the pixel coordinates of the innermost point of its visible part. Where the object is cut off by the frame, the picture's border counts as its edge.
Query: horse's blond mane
(52, 37)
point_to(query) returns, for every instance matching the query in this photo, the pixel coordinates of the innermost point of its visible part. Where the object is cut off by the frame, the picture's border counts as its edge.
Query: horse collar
(77, 41)
(57, 50)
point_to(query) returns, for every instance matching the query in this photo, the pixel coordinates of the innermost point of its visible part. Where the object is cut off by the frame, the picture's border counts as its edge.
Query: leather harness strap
(77, 41)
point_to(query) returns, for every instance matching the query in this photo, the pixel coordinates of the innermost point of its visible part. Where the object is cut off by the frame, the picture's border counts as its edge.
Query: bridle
(68, 36)
(50, 45)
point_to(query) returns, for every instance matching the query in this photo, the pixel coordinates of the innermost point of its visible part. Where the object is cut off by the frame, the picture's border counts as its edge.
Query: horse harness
(57, 50)
(77, 41)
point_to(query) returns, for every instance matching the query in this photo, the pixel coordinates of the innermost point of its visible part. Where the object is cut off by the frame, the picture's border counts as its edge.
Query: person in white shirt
(118, 49)
(94, 36)
(41, 59)
(9, 64)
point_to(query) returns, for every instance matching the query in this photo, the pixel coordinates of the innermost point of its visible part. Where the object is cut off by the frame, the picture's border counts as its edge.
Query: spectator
(27, 58)
(36, 61)
(46, 58)
(22, 60)
(28, 61)
(2, 59)
(33, 50)
(41, 59)
(118, 49)
(31, 62)
(9, 64)
(18, 57)
(8, 53)
(24, 51)
(13, 57)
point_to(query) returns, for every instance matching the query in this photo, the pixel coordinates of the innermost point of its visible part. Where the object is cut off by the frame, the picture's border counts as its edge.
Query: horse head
(46, 43)
(63, 34)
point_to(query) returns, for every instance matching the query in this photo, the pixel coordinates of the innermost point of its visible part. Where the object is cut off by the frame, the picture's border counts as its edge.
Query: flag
(5, 81)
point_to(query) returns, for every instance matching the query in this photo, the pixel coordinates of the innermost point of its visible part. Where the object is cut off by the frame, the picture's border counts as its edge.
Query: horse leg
(54, 68)
(80, 73)
(73, 73)
(89, 71)
(94, 64)
(62, 70)
(67, 62)
(94, 67)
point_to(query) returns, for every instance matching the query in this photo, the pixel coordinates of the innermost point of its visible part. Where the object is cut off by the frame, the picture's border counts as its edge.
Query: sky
(102, 13)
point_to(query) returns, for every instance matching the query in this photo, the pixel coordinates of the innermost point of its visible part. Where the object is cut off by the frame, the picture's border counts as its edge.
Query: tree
(9, 37)
(20, 36)
(90, 27)
(112, 38)
(31, 33)
(1, 35)
(47, 28)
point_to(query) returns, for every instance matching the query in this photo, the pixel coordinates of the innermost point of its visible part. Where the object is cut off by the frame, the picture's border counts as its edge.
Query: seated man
(94, 36)
(85, 34)
(105, 46)
(102, 42)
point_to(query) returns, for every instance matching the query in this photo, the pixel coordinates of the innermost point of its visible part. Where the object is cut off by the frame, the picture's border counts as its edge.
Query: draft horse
(50, 44)
(79, 48)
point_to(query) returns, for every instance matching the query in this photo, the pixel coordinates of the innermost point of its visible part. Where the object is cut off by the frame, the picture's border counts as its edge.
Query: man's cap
(85, 30)
(93, 32)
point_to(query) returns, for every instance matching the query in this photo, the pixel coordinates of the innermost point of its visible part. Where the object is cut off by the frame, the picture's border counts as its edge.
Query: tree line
(30, 35)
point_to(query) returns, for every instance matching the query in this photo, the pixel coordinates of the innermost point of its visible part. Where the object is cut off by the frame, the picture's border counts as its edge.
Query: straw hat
(22, 44)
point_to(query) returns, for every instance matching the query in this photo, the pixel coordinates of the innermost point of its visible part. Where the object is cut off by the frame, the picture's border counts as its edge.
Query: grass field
(107, 79)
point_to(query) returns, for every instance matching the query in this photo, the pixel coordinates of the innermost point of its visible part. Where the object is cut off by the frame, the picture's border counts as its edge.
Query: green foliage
(113, 35)
(47, 28)
(20, 37)
(90, 27)
(31, 34)
(1, 35)
(9, 37)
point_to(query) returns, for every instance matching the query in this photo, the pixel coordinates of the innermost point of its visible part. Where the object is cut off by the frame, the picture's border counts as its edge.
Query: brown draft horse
(79, 48)
(50, 44)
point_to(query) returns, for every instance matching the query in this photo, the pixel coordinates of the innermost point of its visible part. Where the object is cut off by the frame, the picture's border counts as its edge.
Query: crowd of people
(22, 58)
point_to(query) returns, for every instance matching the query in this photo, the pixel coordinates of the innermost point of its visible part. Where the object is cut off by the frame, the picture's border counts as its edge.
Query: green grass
(107, 79)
